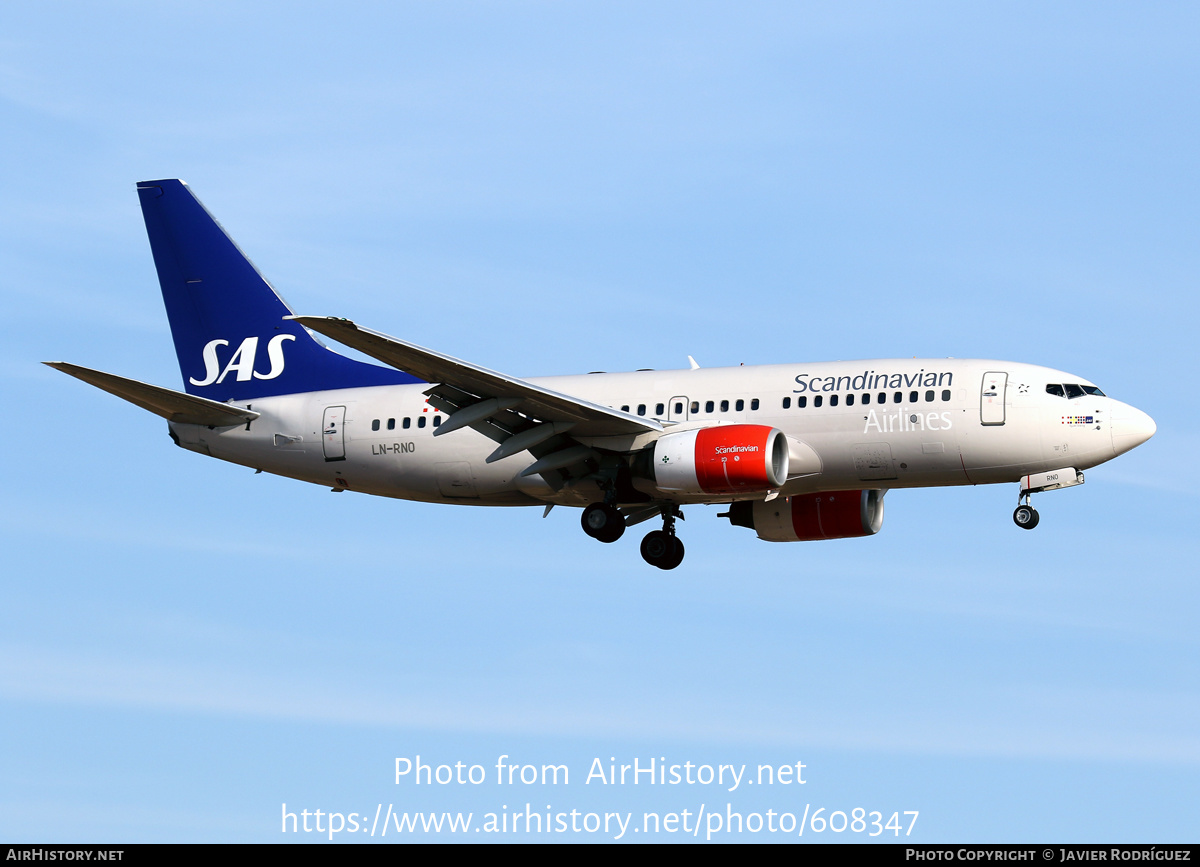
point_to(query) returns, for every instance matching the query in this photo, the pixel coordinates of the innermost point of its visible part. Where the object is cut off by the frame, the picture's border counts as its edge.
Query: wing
(516, 414)
(454, 378)
(171, 405)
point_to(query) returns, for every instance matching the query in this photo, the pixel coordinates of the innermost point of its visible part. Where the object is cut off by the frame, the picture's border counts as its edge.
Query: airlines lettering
(869, 379)
(242, 360)
(906, 421)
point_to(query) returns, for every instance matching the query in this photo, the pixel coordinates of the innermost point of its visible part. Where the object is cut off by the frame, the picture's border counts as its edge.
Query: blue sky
(555, 188)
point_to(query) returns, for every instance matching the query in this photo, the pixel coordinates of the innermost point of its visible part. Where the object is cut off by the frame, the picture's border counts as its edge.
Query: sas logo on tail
(242, 360)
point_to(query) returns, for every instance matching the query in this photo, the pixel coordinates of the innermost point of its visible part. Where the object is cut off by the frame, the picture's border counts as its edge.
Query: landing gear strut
(662, 548)
(1026, 516)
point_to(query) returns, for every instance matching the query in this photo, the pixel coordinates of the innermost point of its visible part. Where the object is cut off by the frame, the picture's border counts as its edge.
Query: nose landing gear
(1026, 516)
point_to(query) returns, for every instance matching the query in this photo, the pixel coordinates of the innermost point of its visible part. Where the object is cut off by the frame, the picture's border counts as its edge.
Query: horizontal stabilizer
(172, 405)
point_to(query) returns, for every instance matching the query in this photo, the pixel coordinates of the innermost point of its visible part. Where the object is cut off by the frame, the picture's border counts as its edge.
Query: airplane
(796, 452)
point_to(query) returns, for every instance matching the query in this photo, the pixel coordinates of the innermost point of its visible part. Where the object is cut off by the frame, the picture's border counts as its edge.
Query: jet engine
(723, 459)
(803, 518)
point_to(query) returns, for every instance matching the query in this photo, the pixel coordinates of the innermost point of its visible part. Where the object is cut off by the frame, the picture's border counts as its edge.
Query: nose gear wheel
(1026, 517)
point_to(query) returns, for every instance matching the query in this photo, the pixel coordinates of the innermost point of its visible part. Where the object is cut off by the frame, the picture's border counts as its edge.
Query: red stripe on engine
(732, 458)
(829, 515)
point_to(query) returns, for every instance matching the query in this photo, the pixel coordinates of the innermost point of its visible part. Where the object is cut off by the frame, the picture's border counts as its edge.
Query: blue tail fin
(230, 335)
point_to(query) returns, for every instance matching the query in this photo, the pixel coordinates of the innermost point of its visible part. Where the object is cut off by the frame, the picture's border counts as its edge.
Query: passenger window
(437, 420)
(740, 405)
(679, 409)
(929, 397)
(866, 398)
(658, 409)
(913, 397)
(754, 403)
(708, 406)
(407, 423)
(420, 421)
(787, 403)
(898, 397)
(817, 400)
(391, 424)
(375, 424)
(802, 401)
(641, 409)
(946, 394)
(724, 406)
(833, 400)
(882, 397)
(849, 400)
(625, 408)
(695, 407)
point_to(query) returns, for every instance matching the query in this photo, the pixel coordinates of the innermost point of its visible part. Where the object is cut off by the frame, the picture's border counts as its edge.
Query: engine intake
(804, 518)
(724, 459)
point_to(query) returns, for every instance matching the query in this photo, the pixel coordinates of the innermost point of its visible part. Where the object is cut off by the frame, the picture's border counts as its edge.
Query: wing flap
(172, 405)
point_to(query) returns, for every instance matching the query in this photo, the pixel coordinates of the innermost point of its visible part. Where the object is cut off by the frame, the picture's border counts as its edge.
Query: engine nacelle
(803, 518)
(723, 459)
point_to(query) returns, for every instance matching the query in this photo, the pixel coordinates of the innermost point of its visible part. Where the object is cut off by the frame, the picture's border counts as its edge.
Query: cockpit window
(1072, 390)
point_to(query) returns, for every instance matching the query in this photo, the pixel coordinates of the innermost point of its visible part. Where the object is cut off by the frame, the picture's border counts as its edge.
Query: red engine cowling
(803, 518)
(724, 459)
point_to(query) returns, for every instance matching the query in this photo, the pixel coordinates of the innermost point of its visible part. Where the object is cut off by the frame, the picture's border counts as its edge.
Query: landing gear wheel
(1026, 517)
(661, 549)
(678, 556)
(602, 521)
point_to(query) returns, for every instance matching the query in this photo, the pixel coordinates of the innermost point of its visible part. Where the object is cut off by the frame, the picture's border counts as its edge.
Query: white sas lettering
(275, 356)
(242, 360)
(211, 366)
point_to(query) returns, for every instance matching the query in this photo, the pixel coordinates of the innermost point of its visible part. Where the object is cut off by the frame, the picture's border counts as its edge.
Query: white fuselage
(879, 424)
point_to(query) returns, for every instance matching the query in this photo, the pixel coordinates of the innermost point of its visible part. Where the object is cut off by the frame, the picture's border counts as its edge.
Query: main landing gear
(1026, 516)
(661, 548)
(603, 521)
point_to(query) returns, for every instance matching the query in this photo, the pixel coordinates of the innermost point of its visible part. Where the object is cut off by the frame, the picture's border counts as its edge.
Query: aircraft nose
(1130, 428)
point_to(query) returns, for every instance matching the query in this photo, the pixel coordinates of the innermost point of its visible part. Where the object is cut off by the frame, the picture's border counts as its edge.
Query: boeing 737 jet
(794, 451)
